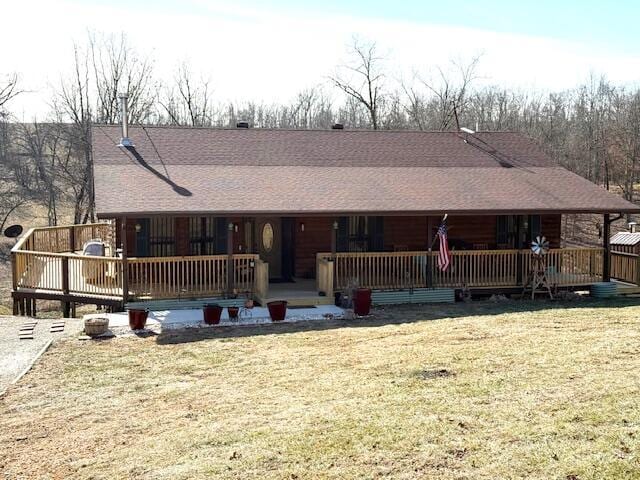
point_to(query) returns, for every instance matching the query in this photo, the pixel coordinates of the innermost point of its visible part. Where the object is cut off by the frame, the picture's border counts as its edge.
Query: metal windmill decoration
(540, 246)
(537, 280)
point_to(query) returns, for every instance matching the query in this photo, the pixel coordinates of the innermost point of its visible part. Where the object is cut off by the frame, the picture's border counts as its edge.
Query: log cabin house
(301, 214)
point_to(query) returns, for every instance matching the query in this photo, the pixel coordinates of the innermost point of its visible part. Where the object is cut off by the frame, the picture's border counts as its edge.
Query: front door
(269, 240)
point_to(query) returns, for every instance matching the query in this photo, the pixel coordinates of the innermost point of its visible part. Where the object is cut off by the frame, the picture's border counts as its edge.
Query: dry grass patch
(494, 392)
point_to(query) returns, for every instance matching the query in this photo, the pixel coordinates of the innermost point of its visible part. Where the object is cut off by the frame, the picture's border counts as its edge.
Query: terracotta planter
(212, 314)
(362, 301)
(277, 310)
(233, 312)
(138, 318)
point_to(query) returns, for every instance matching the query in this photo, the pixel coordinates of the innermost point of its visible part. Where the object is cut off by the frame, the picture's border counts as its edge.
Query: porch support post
(429, 249)
(519, 257)
(334, 237)
(606, 253)
(230, 258)
(125, 260)
(72, 238)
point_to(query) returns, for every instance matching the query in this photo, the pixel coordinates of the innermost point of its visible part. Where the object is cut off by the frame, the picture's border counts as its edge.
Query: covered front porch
(304, 260)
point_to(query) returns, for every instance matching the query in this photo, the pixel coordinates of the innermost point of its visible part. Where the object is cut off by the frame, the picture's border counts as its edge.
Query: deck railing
(149, 277)
(64, 239)
(67, 273)
(475, 268)
(624, 266)
(45, 259)
(174, 277)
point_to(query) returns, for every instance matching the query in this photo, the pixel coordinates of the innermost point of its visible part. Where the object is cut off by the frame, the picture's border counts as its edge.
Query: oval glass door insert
(267, 237)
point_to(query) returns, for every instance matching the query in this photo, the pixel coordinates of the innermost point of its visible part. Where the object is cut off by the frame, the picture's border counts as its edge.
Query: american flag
(444, 256)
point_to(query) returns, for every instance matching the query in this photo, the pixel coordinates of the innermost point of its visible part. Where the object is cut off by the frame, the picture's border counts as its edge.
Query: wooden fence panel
(624, 266)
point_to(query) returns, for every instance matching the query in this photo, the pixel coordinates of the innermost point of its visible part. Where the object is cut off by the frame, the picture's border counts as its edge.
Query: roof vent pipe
(337, 126)
(125, 141)
(242, 125)
(632, 227)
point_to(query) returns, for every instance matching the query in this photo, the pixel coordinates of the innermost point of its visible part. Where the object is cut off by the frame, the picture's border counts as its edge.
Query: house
(205, 212)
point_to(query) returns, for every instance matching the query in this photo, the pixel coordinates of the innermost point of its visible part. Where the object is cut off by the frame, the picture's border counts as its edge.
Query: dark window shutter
(221, 235)
(535, 226)
(376, 233)
(502, 234)
(142, 237)
(342, 241)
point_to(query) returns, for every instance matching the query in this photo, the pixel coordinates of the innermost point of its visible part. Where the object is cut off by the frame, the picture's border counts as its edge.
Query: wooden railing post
(519, 268)
(261, 279)
(230, 259)
(606, 259)
(429, 272)
(14, 270)
(66, 305)
(330, 280)
(72, 239)
(125, 261)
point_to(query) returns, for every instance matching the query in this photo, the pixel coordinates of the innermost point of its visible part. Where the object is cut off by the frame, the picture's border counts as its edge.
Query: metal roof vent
(337, 126)
(242, 124)
(125, 141)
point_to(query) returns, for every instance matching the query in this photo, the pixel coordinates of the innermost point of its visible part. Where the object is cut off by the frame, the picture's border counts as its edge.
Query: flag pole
(433, 241)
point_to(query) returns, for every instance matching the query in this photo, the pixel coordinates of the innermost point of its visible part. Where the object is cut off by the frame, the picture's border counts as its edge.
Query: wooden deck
(47, 264)
(468, 269)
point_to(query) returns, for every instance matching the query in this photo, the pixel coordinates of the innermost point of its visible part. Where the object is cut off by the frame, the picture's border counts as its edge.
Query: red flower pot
(362, 301)
(212, 314)
(233, 312)
(277, 310)
(138, 318)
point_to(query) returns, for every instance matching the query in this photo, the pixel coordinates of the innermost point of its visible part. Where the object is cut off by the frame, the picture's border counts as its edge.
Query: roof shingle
(198, 170)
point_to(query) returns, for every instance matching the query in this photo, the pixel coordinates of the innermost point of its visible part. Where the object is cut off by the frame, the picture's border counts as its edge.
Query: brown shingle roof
(200, 170)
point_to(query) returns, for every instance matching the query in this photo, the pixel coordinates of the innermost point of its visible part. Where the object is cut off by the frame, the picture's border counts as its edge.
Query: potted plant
(138, 318)
(233, 312)
(212, 313)
(362, 301)
(277, 310)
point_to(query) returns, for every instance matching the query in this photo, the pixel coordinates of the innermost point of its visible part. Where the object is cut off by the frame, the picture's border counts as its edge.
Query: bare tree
(363, 79)
(13, 196)
(446, 96)
(106, 67)
(187, 102)
(117, 69)
(73, 101)
(8, 90)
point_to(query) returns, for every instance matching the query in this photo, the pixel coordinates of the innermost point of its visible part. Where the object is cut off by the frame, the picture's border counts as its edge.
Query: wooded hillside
(592, 129)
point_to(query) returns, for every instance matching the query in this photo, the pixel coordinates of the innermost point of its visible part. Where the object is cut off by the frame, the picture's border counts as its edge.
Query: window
(517, 231)
(162, 237)
(358, 234)
(202, 236)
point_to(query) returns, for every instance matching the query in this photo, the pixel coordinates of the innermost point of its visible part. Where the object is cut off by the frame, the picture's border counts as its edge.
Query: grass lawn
(464, 391)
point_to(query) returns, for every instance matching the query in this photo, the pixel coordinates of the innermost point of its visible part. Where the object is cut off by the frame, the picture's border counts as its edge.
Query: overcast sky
(268, 51)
